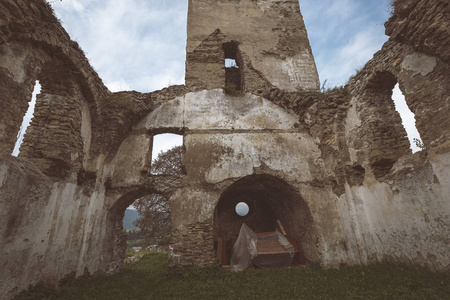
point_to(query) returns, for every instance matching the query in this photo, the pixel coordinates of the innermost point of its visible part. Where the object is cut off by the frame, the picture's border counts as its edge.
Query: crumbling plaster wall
(55, 218)
(231, 137)
(49, 229)
(344, 152)
(366, 155)
(401, 210)
(48, 223)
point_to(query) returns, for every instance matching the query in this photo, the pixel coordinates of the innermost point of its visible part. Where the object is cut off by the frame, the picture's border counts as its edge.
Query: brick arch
(422, 79)
(53, 138)
(115, 239)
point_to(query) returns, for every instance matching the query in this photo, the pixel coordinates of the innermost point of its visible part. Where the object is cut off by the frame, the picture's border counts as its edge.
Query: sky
(140, 44)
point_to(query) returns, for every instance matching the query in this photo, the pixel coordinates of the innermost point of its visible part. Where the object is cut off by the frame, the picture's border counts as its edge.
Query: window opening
(26, 119)
(230, 63)
(166, 154)
(408, 119)
(242, 209)
(233, 74)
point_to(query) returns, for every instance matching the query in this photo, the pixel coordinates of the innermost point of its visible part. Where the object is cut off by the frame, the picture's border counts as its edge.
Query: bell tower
(226, 38)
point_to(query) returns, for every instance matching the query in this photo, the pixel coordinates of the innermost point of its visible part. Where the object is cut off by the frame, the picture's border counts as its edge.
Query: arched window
(384, 132)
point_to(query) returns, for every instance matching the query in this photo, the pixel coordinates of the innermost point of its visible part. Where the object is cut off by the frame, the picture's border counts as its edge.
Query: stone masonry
(335, 168)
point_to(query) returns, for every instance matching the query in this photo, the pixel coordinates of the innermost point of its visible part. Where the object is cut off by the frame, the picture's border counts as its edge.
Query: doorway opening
(146, 224)
(150, 214)
(265, 204)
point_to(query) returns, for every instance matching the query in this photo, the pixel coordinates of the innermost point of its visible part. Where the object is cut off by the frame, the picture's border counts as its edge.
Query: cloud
(351, 56)
(344, 34)
(140, 44)
(341, 9)
(128, 42)
(118, 85)
(164, 142)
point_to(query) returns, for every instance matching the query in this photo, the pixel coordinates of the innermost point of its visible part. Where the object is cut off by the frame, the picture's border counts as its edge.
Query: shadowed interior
(270, 200)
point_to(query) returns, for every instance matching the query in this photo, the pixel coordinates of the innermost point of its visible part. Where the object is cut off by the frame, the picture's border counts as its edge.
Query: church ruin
(334, 168)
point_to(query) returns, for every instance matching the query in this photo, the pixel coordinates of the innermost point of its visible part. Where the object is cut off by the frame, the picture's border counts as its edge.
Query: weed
(419, 143)
(325, 89)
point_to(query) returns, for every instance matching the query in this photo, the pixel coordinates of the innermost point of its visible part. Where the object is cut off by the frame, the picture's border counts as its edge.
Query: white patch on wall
(419, 64)
(300, 70)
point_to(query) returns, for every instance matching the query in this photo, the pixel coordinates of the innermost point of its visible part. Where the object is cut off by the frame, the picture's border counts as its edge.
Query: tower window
(233, 68)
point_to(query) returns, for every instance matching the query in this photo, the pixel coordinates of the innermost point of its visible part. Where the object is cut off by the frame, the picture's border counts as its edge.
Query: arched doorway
(271, 204)
(116, 237)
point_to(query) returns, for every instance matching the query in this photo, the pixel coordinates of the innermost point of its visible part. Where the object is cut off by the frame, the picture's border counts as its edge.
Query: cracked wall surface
(335, 168)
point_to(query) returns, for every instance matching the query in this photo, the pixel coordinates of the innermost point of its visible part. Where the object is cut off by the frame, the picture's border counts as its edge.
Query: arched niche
(18, 64)
(380, 129)
(270, 201)
(70, 91)
(54, 140)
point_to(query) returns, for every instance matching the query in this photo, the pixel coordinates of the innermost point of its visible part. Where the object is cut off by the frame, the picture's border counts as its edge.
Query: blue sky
(344, 34)
(140, 44)
(134, 44)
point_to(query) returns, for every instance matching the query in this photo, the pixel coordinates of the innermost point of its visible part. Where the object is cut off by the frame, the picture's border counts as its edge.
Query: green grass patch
(151, 278)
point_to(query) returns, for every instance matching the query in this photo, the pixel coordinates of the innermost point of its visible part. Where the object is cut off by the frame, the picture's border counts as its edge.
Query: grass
(151, 278)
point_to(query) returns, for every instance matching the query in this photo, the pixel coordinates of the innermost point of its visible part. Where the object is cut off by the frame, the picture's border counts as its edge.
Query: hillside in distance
(128, 219)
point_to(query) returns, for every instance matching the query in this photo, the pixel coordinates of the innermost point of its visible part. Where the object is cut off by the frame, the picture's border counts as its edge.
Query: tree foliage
(168, 162)
(154, 209)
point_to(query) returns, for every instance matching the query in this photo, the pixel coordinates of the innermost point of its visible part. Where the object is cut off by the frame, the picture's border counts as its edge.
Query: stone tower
(266, 35)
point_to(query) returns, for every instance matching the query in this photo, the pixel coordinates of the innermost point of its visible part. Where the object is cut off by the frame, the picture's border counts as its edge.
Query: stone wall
(335, 168)
(270, 37)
